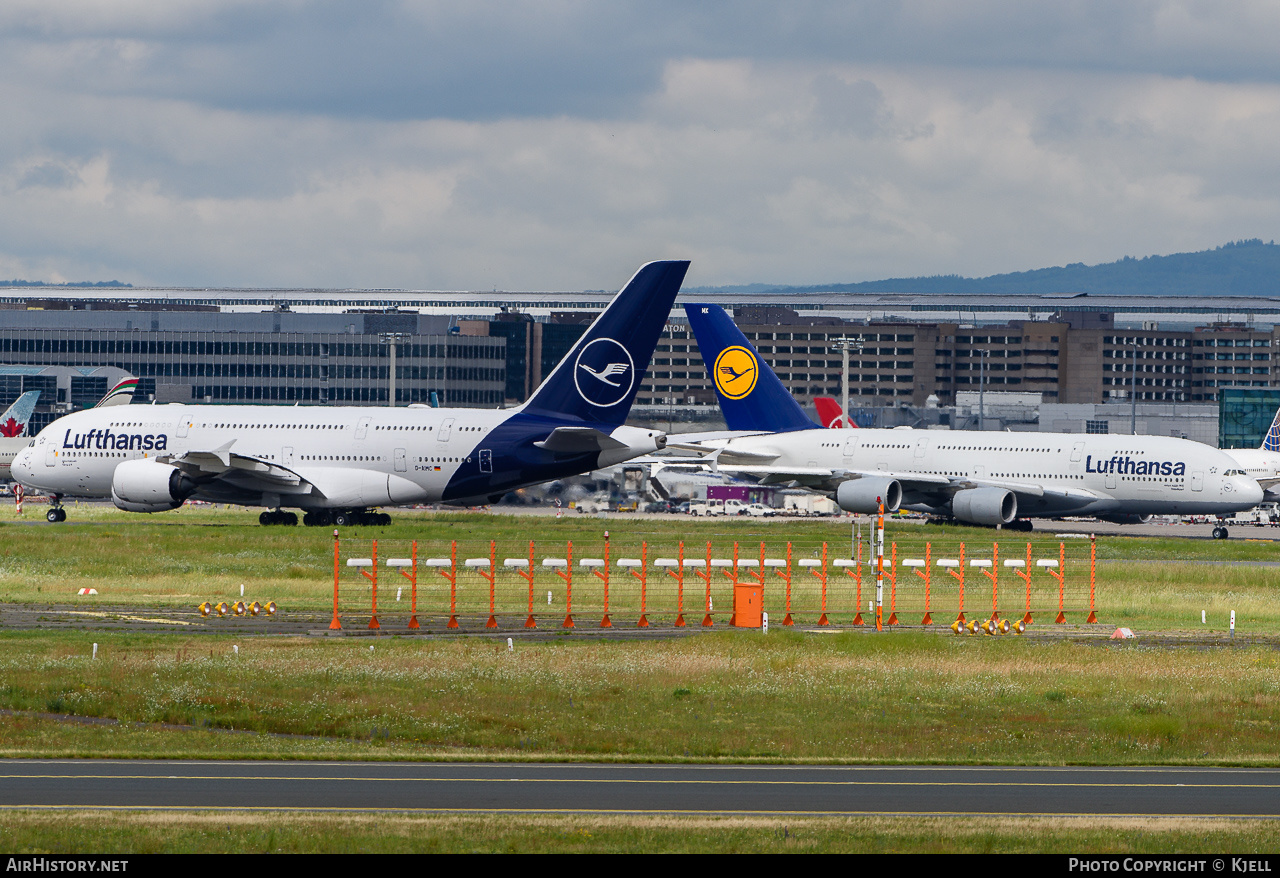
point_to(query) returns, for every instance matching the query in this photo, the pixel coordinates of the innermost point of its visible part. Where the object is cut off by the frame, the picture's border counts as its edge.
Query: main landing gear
(345, 518)
(277, 516)
(56, 513)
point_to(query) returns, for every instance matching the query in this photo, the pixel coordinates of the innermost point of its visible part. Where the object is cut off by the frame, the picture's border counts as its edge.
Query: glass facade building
(1245, 414)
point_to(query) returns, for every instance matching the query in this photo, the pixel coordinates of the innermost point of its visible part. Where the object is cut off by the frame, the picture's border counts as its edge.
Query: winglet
(751, 395)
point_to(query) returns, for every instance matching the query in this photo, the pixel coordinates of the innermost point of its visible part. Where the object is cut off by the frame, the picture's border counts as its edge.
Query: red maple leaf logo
(10, 428)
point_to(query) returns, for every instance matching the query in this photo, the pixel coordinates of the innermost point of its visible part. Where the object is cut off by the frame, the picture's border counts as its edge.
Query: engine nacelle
(1131, 518)
(988, 506)
(147, 486)
(859, 495)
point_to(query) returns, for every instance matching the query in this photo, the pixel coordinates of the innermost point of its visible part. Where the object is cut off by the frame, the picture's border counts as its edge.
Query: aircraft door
(362, 427)
(184, 425)
(851, 446)
(1077, 451)
(286, 455)
(51, 454)
(402, 461)
(445, 429)
(922, 446)
(486, 460)
(1197, 480)
(1111, 480)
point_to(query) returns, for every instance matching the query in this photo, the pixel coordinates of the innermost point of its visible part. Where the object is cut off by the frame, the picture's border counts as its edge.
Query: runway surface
(672, 789)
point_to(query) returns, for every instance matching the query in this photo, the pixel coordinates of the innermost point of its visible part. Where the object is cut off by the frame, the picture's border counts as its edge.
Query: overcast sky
(560, 144)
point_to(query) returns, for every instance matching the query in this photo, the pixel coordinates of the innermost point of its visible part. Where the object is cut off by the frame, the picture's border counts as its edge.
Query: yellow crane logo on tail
(735, 372)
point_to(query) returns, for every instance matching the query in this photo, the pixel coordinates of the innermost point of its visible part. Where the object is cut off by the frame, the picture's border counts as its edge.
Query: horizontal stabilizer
(579, 440)
(726, 455)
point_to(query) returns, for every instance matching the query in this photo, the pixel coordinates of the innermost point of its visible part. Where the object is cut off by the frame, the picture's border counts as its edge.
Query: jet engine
(860, 495)
(1132, 518)
(147, 486)
(989, 506)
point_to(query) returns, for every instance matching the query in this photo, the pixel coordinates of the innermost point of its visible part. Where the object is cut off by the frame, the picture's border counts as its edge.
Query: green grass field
(731, 696)
(909, 696)
(233, 832)
(150, 561)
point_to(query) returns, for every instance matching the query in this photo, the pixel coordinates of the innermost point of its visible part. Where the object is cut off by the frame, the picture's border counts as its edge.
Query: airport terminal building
(491, 349)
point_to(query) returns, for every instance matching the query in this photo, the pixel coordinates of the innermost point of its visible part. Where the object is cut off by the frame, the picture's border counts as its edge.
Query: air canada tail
(15, 419)
(1272, 440)
(751, 395)
(598, 379)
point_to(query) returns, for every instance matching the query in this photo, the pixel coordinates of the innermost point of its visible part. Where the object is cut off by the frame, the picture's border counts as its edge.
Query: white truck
(706, 507)
(805, 503)
(717, 507)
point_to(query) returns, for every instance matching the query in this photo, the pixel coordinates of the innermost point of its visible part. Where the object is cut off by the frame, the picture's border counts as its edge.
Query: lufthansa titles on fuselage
(1127, 466)
(105, 440)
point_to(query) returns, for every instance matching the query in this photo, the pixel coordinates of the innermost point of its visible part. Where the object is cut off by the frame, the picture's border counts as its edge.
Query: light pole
(843, 344)
(392, 339)
(1133, 393)
(982, 388)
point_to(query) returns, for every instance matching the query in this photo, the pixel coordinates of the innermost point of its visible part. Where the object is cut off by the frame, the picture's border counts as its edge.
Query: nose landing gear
(56, 513)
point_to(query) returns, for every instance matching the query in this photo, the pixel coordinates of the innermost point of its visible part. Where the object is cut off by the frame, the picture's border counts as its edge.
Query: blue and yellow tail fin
(751, 396)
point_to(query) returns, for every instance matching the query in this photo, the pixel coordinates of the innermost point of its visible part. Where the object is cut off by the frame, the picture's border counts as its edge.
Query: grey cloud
(484, 60)
(857, 107)
(48, 175)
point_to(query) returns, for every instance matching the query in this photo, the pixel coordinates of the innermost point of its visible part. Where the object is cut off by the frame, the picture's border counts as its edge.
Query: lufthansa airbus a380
(986, 478)
(334, 462)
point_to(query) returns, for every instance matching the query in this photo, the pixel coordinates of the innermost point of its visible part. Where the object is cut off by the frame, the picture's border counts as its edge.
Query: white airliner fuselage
(977, 477)
(1048, 474)
(337, 461)
(304, 456)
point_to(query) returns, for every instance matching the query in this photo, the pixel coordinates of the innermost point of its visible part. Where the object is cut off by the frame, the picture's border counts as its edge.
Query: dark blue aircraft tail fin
(751, 395)
(598, 379)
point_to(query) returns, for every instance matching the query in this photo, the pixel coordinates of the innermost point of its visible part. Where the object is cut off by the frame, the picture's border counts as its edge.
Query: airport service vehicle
(706, 507)
(808, 504)
(335, 462)
(984, 478)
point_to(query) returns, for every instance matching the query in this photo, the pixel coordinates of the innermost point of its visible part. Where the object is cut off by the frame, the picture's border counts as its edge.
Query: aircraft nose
(1251, 491)
(18, 468)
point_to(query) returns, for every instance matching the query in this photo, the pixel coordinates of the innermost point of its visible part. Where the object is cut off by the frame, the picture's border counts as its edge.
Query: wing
(223, 472)
(919, 489)
(223, 476)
